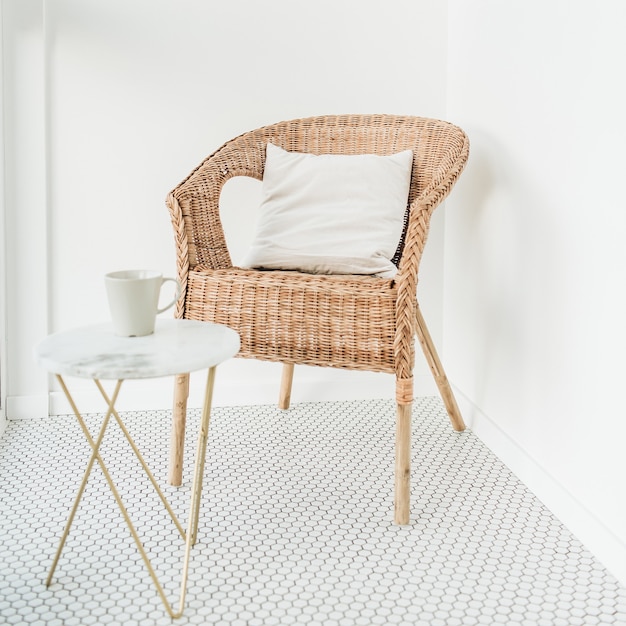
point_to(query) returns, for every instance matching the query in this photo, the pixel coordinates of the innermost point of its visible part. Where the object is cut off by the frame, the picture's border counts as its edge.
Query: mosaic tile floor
(295, 528)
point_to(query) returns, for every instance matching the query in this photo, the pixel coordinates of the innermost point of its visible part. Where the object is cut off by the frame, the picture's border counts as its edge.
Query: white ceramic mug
(134, 300)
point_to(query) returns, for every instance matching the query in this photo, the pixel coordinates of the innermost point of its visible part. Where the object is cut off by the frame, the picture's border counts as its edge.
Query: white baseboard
(609, 549)
(27, 407)
(238, 382)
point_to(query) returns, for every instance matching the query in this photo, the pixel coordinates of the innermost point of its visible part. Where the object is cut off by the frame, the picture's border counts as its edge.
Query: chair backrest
(440, 151)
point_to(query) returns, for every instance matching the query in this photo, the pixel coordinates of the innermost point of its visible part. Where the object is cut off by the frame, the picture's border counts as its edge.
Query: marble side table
(176, 346)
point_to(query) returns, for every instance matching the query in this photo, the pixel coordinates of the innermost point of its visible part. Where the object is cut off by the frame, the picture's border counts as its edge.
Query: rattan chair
(351, 322)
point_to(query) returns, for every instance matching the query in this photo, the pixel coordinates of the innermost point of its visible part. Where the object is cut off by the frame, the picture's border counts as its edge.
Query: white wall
(26, 221)
(113, 103)
(535, 259)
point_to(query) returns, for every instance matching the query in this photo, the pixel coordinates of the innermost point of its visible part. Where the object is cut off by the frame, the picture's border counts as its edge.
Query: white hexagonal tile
(295, 527)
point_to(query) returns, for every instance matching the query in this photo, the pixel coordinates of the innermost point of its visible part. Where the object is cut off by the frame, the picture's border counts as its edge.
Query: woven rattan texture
(273, 313)
(341, 321)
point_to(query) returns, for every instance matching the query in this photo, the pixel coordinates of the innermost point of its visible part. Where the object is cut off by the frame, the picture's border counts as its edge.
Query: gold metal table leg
(144, 465)
(94, 455)
(194, 509)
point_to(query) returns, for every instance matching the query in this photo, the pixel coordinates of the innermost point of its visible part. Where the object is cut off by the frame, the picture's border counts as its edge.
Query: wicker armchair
(352, 322)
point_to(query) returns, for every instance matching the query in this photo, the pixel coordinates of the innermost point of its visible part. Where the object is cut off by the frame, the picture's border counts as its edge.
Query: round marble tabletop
(175, 347)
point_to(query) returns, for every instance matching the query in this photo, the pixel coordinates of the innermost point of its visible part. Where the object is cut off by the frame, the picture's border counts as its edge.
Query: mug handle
(178, 290)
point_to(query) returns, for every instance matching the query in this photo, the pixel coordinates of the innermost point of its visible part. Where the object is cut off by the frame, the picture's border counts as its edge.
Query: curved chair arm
(418, 225)
(194, 206)
(195, 200)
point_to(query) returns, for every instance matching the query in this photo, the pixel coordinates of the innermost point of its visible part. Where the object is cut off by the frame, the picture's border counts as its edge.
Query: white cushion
(331, 214)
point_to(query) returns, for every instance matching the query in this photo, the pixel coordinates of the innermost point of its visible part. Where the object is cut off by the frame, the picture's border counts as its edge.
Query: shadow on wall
(507, 270)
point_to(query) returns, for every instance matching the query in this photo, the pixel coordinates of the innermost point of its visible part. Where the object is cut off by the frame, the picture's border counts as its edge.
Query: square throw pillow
(331, 214)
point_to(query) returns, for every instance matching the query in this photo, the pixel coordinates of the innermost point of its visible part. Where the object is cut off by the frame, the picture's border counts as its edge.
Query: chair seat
(343, 321)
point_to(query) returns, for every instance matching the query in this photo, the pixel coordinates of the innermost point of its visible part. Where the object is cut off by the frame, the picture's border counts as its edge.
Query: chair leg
(437, 369)
(284, 397)
(179, 419)
(403, 464)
